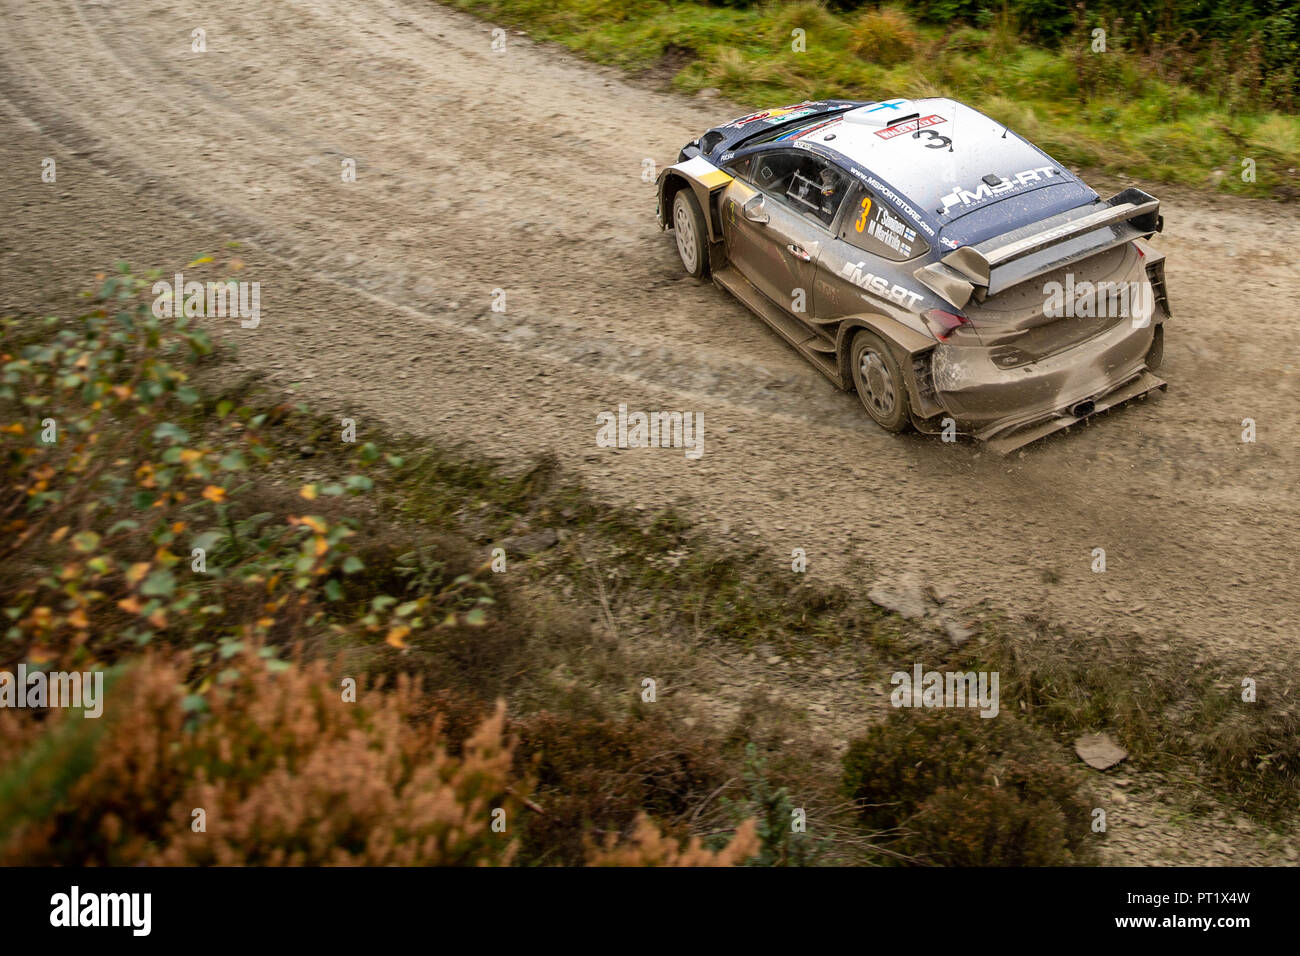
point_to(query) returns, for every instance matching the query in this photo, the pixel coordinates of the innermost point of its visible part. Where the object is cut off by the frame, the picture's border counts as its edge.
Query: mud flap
(1004, 439)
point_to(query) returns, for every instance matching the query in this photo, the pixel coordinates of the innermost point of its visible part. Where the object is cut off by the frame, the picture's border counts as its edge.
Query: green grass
(1103, 112)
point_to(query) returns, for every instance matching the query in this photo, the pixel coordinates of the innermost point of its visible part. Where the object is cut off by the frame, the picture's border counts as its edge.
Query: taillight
(942, 324)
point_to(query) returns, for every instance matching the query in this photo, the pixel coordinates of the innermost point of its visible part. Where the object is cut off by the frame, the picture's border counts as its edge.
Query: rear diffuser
(1003, 441)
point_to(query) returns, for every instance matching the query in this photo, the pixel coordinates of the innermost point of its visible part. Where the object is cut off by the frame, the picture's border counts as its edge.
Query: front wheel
(879, 382)
(692, 239)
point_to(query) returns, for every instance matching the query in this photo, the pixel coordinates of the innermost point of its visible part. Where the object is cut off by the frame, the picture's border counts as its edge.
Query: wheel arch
(671, 183)
(705, 181)
(906, 344)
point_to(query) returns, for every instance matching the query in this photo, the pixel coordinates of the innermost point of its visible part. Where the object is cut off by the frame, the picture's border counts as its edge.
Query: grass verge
(1106, 111)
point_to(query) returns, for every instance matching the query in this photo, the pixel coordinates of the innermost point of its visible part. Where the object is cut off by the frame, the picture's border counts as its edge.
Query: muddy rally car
(951, 273)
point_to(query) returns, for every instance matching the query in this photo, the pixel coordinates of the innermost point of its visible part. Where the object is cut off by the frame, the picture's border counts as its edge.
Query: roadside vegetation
(231, 562)
(1203, 93)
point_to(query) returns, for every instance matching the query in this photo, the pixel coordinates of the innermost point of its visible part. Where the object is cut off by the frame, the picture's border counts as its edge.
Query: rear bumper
(1011, 437)
(1000, 405)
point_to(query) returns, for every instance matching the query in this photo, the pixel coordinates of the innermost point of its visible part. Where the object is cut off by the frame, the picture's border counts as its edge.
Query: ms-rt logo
(75, 908)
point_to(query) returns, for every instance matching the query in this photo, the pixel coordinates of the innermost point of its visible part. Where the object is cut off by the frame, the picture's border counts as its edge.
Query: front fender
(704, 179)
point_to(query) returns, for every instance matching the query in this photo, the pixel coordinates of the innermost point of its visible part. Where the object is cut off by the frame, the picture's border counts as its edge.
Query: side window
(740, 168)
(806, 183)
(873, 227)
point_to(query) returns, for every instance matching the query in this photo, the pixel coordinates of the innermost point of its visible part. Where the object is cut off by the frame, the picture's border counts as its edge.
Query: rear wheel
(879, 382)
(692, 239)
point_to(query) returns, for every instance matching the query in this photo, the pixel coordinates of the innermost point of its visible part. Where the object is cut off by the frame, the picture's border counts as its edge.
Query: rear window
(788, 134)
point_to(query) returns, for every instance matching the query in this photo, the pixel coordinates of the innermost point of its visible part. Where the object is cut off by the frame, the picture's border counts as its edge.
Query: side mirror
(754, 210)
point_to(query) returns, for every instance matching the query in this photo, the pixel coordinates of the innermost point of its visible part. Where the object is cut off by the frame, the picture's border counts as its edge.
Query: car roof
(944, 161)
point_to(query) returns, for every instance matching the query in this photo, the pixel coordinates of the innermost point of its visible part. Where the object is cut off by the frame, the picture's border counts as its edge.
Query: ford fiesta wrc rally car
(925, 256)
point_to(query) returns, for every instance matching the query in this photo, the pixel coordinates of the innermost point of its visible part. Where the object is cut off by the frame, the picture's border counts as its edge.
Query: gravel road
(521, 171)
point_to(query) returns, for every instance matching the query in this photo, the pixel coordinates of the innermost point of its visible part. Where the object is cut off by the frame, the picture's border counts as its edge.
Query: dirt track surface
(521, 171)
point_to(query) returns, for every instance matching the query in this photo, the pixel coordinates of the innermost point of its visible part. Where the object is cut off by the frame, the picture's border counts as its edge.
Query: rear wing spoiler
(996, 264)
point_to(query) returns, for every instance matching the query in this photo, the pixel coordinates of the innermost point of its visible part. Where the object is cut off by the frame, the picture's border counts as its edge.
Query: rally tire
(690, 232)
(879, 382)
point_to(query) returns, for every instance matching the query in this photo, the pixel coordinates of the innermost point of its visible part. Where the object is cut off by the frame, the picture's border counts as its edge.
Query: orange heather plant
(650, 847)
(275, 768)
(282, 768)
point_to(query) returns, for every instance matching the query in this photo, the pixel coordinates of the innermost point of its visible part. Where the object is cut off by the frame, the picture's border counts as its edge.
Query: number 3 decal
(862, 219)
(940, 141)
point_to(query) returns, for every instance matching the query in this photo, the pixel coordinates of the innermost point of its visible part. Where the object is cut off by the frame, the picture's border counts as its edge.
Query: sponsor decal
(911, 126)
(891, 231)
(801, 133)
(856, 273)
(897, 200)
(778, 115)
(704, 172)
(985, 191)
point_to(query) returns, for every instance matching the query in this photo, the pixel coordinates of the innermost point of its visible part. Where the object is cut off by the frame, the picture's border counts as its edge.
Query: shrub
(956, 789)
(885, 36)
(649, 847)
(596, 776)
(113, 473)
(989, 826)
(286, 772)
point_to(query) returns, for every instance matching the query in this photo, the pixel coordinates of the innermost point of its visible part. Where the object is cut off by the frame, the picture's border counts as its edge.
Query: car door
(867, 264)
(778, 212)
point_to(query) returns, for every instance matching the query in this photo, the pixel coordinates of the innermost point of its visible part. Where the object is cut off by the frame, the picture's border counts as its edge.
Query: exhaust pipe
(1083, 409)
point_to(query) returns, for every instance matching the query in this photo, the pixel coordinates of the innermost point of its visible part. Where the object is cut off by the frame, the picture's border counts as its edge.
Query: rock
(943, 592)
(1099, 751)
(532, 542)
(904, 597)
(709, 93)
(957, 632)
